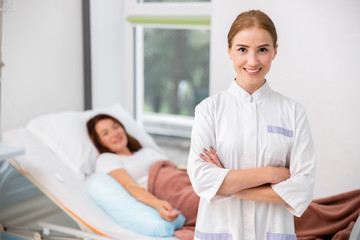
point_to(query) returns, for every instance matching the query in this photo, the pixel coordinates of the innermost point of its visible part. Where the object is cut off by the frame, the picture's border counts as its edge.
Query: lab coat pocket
(278, 144)
(280, 236)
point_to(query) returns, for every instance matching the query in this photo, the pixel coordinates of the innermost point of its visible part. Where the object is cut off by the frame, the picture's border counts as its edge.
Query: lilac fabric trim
(280, 236)
(280, 130)
(213, 236)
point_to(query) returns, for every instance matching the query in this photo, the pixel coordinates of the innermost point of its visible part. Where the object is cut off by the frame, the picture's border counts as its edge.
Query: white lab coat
(249, 131)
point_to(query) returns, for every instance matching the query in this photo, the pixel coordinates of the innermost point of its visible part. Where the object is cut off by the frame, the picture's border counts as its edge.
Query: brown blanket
(169, 183)
(329, 218)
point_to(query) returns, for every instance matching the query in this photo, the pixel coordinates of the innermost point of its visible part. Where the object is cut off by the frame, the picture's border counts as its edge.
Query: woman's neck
(126, 152)
(250, 88)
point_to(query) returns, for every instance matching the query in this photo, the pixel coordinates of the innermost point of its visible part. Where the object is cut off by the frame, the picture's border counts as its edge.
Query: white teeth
(252, 71)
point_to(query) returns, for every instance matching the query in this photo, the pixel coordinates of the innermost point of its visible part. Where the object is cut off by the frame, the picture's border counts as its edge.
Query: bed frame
(48, 230)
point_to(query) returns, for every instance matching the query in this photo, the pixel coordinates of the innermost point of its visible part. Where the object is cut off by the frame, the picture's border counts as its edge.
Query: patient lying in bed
(120, 181)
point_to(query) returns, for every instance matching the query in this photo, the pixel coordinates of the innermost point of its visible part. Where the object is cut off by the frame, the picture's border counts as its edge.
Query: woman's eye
(242, 50)
(262, 50)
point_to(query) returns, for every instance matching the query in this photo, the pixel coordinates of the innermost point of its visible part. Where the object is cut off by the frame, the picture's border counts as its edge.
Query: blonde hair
(249, 19)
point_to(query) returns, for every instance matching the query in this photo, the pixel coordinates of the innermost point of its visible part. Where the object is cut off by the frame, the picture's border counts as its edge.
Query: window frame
(187, 15)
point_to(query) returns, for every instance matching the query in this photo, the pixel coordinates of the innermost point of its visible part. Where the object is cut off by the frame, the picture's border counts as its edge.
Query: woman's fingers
(170, 215)
(206, 157)
(211, 157)
(174, 214)
(212, 150)
(167, 211)
(214, 157)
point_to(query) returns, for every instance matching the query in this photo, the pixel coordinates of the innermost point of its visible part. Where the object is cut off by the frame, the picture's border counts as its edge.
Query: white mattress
(46, 168)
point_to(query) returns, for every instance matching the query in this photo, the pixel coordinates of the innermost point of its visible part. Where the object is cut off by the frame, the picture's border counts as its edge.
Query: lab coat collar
(243, 95)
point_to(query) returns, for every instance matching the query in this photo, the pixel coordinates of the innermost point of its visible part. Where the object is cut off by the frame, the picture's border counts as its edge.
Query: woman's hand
(211, 157)
(166, 211)
(278, 174)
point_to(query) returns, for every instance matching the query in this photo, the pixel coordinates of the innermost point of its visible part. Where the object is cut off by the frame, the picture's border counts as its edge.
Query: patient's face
(112, 136)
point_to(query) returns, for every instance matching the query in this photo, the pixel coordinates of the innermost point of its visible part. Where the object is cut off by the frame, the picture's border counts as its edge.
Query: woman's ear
(275, 51)
(229, 52)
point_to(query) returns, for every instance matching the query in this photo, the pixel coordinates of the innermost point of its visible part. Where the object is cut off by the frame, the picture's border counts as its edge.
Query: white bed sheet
(55, 177)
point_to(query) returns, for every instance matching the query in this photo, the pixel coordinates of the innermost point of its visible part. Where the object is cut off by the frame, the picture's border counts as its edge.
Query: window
(171, 68)
(176, 70)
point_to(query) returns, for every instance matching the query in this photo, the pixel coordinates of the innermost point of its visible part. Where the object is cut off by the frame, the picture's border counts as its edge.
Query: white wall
(317, 65)
(107, 50)
(43, 56)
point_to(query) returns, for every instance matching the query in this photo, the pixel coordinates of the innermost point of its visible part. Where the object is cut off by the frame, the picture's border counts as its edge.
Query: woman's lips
(253, 71)
(118, 140)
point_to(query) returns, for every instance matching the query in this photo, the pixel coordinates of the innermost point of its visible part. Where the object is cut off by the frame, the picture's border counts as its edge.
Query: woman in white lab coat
(252, 160)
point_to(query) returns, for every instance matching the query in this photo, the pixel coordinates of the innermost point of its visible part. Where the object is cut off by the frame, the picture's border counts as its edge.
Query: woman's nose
(253, 59)
(112, 133)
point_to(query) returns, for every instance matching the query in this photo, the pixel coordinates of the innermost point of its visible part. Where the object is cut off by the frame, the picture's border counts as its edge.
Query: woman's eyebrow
(241, 45)
(103, 130)
(264, 45)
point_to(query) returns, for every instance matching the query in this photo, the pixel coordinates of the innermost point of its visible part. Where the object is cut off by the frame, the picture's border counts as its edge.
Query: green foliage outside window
(176, 70)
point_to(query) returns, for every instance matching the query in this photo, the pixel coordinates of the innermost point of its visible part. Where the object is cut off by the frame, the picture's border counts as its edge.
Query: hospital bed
(58, 158)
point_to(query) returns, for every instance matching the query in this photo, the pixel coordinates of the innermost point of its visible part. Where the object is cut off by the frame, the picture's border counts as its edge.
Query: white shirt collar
(243, 95)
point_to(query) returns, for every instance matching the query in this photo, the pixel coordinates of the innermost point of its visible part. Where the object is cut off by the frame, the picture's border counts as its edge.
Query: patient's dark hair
(133, 144)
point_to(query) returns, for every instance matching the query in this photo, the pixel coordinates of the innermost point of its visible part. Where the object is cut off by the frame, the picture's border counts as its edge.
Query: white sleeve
(206, 178)
(108, 162)
(297, 191)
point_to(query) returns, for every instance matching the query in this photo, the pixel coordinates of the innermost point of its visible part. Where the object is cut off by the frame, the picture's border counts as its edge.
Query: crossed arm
(249, 184)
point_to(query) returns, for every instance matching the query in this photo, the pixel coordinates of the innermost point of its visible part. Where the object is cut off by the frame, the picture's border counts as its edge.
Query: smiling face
(252, 51)
(112, 136)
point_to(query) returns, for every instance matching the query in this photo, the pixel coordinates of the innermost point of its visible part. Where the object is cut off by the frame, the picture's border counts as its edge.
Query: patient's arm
(249, 180)
(166, 211)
